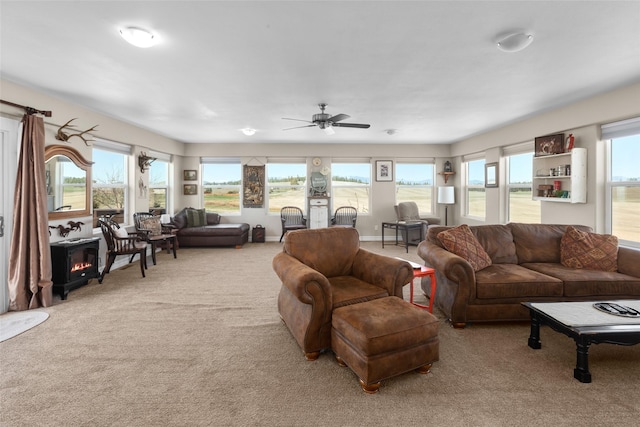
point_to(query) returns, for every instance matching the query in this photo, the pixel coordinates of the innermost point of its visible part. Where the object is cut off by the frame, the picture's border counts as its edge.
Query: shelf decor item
(548, 145)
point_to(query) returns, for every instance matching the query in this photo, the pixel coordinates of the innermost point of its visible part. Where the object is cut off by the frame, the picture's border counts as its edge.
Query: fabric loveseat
(526, 262)
(197, 228)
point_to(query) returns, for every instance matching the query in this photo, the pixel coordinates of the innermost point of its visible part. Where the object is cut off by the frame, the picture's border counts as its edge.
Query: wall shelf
(575, 183)
(446, 175)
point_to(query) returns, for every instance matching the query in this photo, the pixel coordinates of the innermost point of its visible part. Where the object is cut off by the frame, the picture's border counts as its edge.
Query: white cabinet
(318, 212)
(561, 177)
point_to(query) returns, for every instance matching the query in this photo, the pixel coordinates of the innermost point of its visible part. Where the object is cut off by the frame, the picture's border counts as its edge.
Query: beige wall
(582, 119)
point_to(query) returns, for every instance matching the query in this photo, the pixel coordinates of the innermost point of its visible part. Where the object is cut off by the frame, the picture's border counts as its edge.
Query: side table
(404, 228)
(424, 272)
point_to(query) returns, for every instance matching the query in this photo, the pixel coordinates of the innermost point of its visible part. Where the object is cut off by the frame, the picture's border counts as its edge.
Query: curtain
(30, 284)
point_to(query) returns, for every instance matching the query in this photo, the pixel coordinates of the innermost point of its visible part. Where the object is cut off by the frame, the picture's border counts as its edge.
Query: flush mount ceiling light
(515, 42)
(138, 37)
(391, 131)
(248, 131)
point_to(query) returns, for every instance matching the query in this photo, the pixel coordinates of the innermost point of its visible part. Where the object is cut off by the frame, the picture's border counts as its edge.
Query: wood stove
(73, 263)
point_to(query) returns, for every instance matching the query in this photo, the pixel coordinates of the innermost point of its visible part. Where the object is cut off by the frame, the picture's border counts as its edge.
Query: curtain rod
(28, 110)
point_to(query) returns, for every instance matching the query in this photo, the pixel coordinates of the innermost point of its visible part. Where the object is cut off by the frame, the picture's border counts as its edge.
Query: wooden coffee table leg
(581, 372)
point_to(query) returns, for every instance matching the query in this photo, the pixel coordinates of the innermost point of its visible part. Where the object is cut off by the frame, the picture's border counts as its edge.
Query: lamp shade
(446, 195)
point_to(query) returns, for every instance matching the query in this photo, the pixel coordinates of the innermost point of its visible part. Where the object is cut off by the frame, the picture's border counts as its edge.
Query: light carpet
(16, 322)
(199, 342)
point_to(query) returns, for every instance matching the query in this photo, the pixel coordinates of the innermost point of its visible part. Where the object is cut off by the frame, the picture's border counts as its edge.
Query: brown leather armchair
(323, 269)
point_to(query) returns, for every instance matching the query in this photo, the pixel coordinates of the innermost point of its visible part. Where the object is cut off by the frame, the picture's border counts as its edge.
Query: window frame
(366, 209)
(300, 162)
(509, 152)
(467, 186)
(212, 161)
(432, 187)
(125, 151)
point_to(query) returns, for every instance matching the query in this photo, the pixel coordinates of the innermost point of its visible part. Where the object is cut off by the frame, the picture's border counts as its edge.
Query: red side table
(424, 272)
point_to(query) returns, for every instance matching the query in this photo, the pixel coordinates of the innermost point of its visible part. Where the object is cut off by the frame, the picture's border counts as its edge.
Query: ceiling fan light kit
(248, 131)
(515, 42)
(327, 122)
(138, 37)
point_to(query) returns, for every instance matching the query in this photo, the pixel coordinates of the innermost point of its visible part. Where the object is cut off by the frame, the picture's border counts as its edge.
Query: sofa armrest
(383, 271)
(306, 284)
(458, 273)
(629, 261)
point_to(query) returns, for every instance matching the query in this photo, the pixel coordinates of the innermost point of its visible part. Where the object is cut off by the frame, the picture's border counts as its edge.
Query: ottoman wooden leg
(369, 388)
(424, 369)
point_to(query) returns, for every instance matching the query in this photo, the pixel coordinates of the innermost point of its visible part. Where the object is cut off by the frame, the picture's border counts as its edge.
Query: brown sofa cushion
(310, 248)
(461, 241)
(591, 251)
(196, 217)
(539, 242)
(497, 241)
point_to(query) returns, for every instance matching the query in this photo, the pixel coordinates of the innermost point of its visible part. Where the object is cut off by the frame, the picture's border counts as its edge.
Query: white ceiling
(429, 69)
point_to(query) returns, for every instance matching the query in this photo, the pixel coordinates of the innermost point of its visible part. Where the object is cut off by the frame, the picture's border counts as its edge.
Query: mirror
(67, 175)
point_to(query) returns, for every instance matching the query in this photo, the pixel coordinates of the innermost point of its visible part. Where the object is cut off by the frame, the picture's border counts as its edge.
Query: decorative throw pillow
(591, 251)
(461, 241)
(196, 217)
(153, 225)
(120, 232)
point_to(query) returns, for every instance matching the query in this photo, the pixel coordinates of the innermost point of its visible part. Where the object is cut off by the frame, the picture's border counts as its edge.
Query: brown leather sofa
(213, 233)
(525, 267)
(324, 269)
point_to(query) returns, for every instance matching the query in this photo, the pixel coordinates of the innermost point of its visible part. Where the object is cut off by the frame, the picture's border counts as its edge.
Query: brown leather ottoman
(383, 338)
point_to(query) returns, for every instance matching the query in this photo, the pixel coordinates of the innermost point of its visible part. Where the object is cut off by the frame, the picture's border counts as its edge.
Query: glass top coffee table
(586, 325)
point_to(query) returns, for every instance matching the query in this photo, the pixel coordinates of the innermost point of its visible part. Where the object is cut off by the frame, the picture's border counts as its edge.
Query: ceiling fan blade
(338, 117)
(352, 125)
(298, 127)
(297, 120)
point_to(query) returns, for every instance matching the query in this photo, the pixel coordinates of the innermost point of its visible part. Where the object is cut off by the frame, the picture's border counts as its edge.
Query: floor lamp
(446, 197)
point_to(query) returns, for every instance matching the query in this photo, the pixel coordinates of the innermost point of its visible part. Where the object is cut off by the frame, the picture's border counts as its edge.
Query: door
(9, 134)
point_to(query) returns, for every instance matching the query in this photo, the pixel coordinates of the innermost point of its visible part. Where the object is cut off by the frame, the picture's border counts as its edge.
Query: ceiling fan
(326, 122)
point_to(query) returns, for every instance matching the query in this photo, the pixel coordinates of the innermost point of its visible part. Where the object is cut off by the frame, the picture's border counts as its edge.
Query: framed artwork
(190, 189)
(253, 186)
(491, 175)
(550, 144)
(384, 170)
(190, 175)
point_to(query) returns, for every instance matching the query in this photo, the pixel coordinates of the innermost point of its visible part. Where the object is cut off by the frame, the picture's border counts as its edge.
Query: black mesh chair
(345, 216)
(292, 219)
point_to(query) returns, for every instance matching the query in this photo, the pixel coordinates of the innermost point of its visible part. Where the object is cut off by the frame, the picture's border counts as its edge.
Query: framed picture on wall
(190, 175)
(550, 144)
(190, 189)
(491, 175)
(384, 170)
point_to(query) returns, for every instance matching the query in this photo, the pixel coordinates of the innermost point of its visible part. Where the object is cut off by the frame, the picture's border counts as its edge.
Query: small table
(425, 272)
(586, 325)
(404, 227)
(162, 240)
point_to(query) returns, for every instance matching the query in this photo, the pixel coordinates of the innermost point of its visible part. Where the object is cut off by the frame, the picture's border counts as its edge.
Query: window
(476, 204)
(351, 185)
(414, 183)
(159, 186)
(623, 180)
(520, 204)
(286, 185)
(110, 186)
(221, 185)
